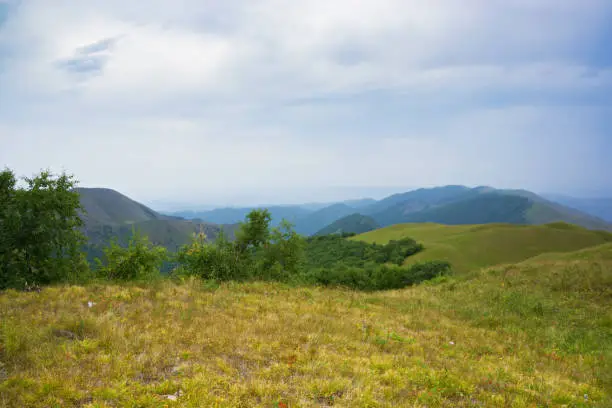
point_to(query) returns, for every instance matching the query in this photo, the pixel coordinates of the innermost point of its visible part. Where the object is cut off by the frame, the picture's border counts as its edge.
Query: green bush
(220, 260)
(377, 277)
(140, 260)
(40, 239)
(328, 250)
(282, 257)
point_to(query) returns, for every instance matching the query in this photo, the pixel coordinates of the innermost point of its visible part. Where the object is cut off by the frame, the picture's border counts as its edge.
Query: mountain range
(109, 214)
(453, 205)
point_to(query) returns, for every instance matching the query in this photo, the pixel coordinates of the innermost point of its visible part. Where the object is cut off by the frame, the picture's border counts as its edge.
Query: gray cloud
(207, 100)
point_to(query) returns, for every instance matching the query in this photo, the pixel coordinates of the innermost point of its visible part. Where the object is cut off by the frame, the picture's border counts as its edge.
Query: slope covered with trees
(352, 224)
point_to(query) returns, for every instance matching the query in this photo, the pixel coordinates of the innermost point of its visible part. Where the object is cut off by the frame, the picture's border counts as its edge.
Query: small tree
(255, 232)
(284, 253)
(40, 237)
(140, 260)
(218, 261)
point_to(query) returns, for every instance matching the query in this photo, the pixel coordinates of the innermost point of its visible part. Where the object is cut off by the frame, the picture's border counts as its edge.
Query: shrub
(40, 239)
(220, 260)
(377, 277)
(328, 250)
(423, 271)
(138, 261)
(282, 257)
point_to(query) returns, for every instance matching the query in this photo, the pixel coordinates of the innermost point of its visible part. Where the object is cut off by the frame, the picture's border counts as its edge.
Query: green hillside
(532, 334)
(352, 224)
(111, 215)
(457, 205)
(104, 206)
(469, 247)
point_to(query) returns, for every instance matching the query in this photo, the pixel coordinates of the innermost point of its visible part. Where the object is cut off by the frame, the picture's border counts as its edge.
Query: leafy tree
(40, 239)
(255, 232)
(140, 260)
(283, 255)
(220, 260)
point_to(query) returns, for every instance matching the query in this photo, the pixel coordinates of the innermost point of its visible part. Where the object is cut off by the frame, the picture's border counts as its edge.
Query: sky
(236, 102)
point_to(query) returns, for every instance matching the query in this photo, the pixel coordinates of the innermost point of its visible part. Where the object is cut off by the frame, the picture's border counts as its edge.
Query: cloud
(280, 93)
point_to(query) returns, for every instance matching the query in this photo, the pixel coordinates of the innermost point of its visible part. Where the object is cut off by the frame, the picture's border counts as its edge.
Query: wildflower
(452, 343)
(90, 304)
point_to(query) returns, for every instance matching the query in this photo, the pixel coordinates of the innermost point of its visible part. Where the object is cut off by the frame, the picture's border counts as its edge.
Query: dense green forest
(41, 242)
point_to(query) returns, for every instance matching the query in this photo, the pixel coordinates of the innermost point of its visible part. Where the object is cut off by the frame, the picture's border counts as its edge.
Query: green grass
(532, 334)
(471, 247)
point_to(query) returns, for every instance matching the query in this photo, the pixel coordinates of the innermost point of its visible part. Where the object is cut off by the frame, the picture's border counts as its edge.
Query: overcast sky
(253, 101)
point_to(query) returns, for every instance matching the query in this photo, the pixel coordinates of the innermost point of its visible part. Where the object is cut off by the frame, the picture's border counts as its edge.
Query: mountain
(111, 215)
(598, 207)
(420, 199)
(360, 203)
(306, 219)
(313, 222)
(455, 205)
(104, 206)
(235, 215)
(354, 223)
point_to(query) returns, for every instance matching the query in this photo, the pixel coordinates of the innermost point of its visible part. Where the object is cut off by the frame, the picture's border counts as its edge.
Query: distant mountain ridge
(599, 207)
(452, 205)
(457, 205)
(111, 215)
(354, 224)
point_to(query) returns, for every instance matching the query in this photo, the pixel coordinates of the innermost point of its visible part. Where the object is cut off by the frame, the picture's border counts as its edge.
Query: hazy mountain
(313, 222)
(420, 199)
(354, 223)
(462, 205)
(234, 215)
(110, 214)
(598, 207)
(109, 207)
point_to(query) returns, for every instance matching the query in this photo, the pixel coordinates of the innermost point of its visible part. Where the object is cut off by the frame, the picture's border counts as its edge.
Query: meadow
(531, 334)
(471, 247)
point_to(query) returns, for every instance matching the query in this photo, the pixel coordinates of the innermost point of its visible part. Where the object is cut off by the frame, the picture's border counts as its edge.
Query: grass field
(533, 334)
(470, 247)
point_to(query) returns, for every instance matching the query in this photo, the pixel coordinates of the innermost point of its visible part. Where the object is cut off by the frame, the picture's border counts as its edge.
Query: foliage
(329, 250)
(218, 261)
(139, 260)
(378, 277)
(39, 237)
(254, 232)
(257, 253)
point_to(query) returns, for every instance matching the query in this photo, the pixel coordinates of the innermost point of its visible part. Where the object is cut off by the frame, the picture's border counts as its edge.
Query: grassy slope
(532, 334)
(470, 247)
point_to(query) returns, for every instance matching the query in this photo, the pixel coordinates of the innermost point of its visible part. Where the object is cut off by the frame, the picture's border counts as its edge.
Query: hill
(235, 215)
(597, 207)
(534, 333)
(417, 200)
(469, 247)
(456, 205)
(354, 223)
(313, 222)
(307, 219)
(104, 206)
(111, 215)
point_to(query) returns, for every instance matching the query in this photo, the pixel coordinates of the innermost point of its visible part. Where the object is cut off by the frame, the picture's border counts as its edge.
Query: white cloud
(277, 90)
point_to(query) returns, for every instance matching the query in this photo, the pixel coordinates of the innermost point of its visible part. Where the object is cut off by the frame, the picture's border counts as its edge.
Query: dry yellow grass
(455, 343)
